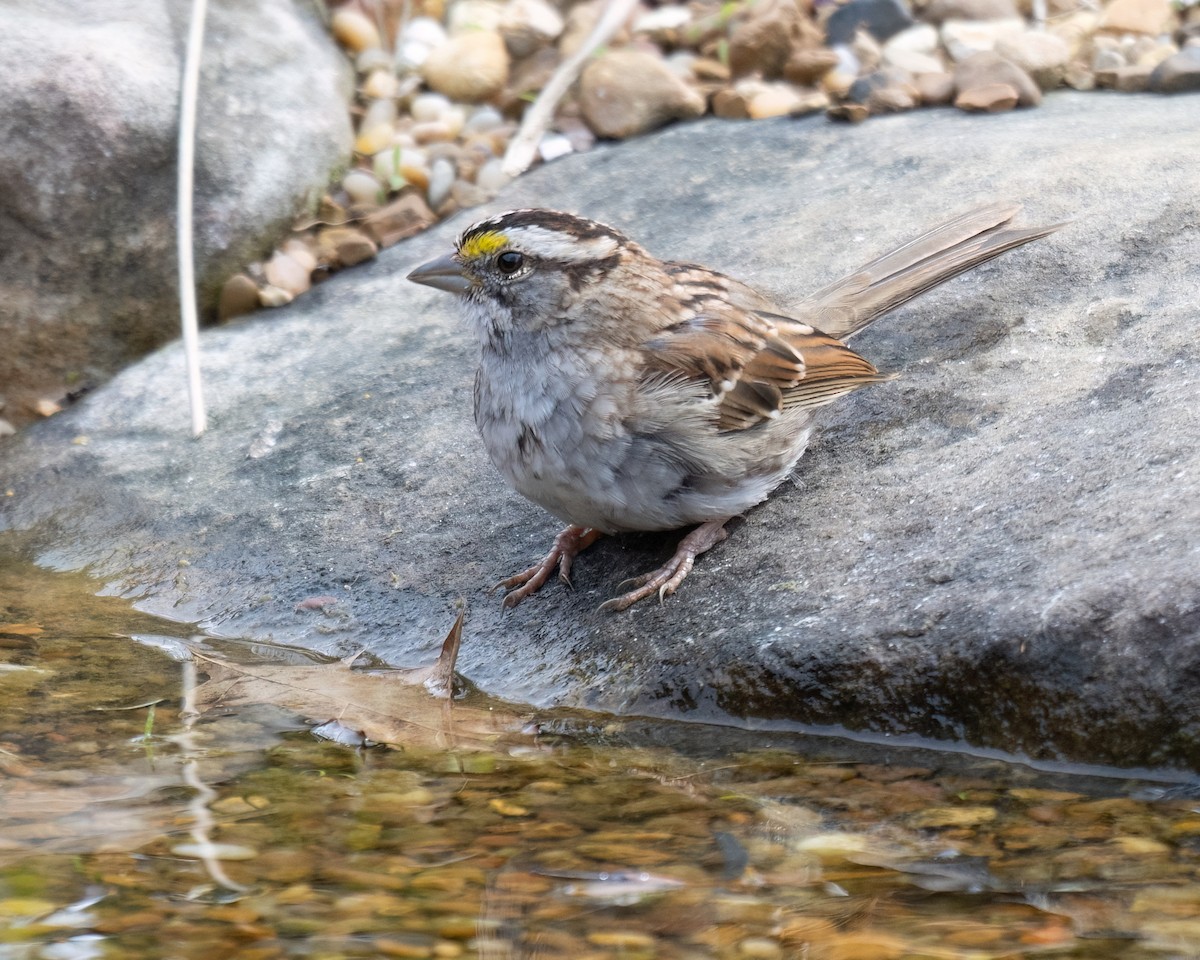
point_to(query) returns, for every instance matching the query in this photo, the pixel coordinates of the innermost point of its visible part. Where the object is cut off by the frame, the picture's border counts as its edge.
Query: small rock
(1108, 58)
(441, 179)
(990, 69)
(404, 216)
(662, 24)
(939, 11)
(626, 92)
(373, 58)
(529, 25)
(6, 428)
(912, 62)
(1178, 73)
(763, 42)
(474, 16)
(851, 112)
(1128, 79)
(882, 19)
(1042, 55)
(345, 246)
(991, 98)
(1138, 16)
(964, 38)
(1079, 76)
(466, 194)
(728, 104)
(706, 68)
(863, 87)
(46, 407)
(428, 107)
(483, 119)
(287, 273)
(419, 37)
(468, 68)
(299, 251)
(784, 100)
(867, 52)
(806, 67)
(891, 100)
(354, 30)
(1152, 53)
(362, 187)
(270, 296)
(239, 295)
(491, 176)
(921, 38)
(935, 89)
(381, 84)
(1076, 31)
(553, 146)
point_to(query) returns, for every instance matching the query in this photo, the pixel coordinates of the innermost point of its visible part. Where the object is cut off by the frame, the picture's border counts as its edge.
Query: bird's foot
(666, 579)
(567, 545)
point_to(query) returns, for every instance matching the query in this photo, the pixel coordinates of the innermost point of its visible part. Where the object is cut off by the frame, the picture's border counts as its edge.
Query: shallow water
(132, 828)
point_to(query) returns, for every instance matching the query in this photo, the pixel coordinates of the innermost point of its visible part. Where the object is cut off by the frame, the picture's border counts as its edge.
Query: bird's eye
(509, 262)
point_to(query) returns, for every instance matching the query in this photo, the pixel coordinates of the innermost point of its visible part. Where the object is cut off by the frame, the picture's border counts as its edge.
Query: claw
(567, 545)
(666, 579)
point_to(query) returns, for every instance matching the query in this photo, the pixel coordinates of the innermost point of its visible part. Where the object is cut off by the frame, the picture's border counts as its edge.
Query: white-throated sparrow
(624, 393)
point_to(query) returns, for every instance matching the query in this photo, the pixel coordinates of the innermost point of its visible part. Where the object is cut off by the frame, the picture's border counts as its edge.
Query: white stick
(523, 146)
(187, 267)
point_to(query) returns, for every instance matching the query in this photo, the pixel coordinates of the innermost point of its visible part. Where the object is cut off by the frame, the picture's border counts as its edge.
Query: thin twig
(187, 266)
(523, 146)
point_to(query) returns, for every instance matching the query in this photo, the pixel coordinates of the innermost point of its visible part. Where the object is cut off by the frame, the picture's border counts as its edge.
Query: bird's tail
(845, 307)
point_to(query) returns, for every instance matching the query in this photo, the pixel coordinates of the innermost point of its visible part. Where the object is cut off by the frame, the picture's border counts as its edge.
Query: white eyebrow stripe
(556, 245)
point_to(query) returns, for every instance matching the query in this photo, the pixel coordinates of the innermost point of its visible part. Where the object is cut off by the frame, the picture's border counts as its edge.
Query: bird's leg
(667, 578)
(567, 545)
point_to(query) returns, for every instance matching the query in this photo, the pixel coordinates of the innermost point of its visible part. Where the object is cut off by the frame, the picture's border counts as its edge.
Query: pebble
(990, 69)
(419, 37)
(404, 216)
(218, 851)
(881, 18)
(989, 98)
(441, 179)
(939, 11)
(346, 246)
(806, 67)
(1151, 17)
(964, 38)
(552, 146)
(491, 176)
(483, 119)
(469, 67)
(626, 92)
(354, 30)
(381, 83)
(271, 296)
(529, 25)
(1178, 73)
(1041, 55)
(239, 295)
(287, 273)
(361, 187)
(784, 100)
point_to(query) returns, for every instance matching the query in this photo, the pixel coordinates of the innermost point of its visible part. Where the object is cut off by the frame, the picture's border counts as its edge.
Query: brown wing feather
(756, 362)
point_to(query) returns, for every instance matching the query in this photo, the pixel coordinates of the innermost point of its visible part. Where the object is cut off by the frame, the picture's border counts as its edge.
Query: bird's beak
(444, 273)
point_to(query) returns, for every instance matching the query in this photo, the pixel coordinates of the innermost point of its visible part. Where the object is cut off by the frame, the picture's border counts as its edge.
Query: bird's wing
(756, 363)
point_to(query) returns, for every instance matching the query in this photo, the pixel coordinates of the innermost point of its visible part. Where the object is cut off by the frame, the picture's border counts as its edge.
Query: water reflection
(130, 828)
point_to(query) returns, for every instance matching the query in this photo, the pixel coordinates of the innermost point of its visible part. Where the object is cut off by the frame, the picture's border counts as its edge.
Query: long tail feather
(847, 306)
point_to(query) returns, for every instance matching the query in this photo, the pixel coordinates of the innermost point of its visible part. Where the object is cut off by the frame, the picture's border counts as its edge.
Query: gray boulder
(1002, 547)
(88, 124)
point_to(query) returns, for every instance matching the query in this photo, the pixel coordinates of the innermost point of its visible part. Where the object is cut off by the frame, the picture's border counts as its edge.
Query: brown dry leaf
(409, 708)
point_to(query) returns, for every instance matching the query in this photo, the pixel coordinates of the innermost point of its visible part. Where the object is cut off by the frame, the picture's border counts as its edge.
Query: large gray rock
(1001, 547)
(89, 111)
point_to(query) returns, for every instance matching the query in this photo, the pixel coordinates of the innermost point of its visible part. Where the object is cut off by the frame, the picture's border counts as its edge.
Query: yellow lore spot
(482, 244)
